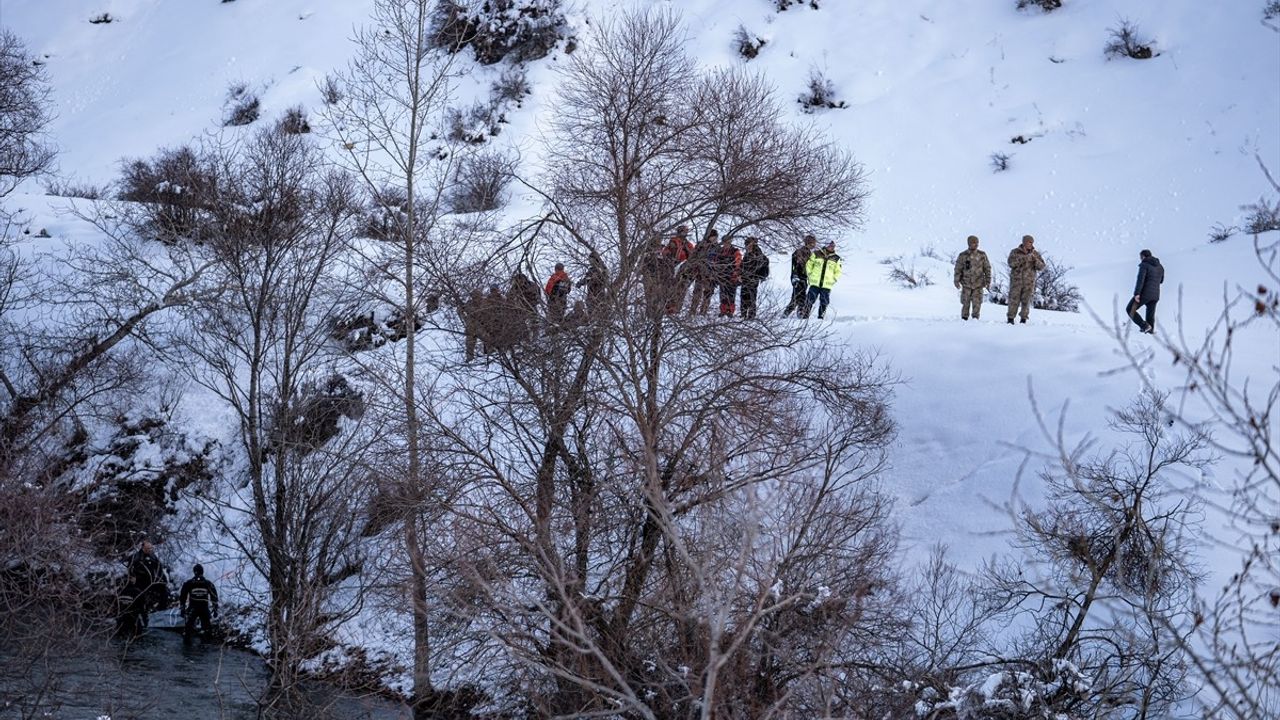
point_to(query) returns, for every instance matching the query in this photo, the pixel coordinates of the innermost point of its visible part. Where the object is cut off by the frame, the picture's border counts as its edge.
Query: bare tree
(279, 227)
(661, 516)
(25, 150)
(1108, 576)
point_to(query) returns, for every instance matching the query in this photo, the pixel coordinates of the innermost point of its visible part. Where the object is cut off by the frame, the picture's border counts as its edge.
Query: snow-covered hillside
(1111, 156)
(1122, 154)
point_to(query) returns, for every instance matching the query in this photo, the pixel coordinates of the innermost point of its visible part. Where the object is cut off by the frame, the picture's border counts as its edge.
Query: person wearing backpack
(755, 268)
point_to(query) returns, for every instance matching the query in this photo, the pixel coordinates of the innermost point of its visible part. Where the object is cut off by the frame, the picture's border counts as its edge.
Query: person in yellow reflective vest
(823, 269)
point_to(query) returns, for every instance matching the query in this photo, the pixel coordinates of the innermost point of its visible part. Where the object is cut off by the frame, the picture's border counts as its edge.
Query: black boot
(1010, 321)
(1023, 321)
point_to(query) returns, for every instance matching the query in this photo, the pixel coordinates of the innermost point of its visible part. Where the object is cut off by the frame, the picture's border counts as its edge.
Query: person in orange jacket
(557, 289)
(725, 266)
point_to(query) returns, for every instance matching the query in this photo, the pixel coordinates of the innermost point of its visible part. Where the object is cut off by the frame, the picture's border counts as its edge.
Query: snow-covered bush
(782, 5)
(1000, 161)
(173, 188)
(70, 188)
(103, 19)
(330, 91)
(294, 121)
(473, 124)
(242, 106)
(821, 93)
(1044, 5)
(480, 181)
(1272, 10)
(131, 482)
(512, 86)
(1127, 40)
(523, 30)
(746, 43)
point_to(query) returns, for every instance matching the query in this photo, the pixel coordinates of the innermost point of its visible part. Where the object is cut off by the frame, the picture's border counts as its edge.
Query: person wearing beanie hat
(1024, 264)
(198, 601)
(972, 278)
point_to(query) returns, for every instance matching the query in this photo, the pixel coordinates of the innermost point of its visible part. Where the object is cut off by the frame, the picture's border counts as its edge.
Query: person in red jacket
(675, 254)
(557, 289)
(725, 270)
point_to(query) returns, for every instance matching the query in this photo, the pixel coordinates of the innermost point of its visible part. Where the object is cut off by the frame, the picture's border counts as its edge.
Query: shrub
(1221, 233)
(747, 43)
(102, 19)
(1127, 41)
(821, 93)
(523, 30)
(330, 91)
(512, 86)
(65, 187)
(782, 5)
(1272, 10)
(175, 186)
(294, 121)
(480, 181)
(1263, 216)
(906, 275)
(999, 161)
(1044, 5)
(472, 125)
(242, 106)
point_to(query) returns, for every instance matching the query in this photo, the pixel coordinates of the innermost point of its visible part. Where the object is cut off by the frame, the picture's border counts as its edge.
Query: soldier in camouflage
(972, 278)
(1024, 264)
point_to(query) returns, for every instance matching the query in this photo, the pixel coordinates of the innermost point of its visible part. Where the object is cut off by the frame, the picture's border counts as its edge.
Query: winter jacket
(678, 248)
(823, 269)
(726, 265)
(755, 266)
(524, 293)
(973, 269)
(1150, 275)
(146, 570)
(1023, 267)
(559, 285)
(800, 263)
(198, 593)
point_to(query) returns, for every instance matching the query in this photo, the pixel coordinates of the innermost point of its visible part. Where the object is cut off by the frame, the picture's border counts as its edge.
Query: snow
(1122, 155)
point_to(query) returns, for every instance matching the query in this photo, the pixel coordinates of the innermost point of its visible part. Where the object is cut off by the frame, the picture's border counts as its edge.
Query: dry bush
(746, 43)
(821, 94)
(70, 188)
(1000, 161)
(294, 121)
(174, 189)
(242, 106)
(905, 275)
(480, 182)
(1128, 41)
(1262, 216)
(1047, 6)
(522, 30)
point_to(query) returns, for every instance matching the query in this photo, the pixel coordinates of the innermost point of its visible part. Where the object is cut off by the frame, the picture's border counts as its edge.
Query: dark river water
(157, 675)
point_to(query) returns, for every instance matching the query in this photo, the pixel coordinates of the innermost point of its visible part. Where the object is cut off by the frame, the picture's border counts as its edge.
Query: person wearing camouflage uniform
(1024, 264)
(972, 278)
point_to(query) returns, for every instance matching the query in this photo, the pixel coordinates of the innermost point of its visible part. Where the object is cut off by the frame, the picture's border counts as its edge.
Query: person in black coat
(755, 268)
(198, 601)
(147, 574)
(800, 275)
(1146, 292)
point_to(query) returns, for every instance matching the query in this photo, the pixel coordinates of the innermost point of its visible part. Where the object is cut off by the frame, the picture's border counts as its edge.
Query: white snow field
(1122, 155)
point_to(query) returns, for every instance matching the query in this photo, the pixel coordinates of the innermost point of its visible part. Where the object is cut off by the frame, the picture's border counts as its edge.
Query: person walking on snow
(823, 271)
(725, 265)
(972, 278)
(557, 288)
(148, 575)
(197, 601)
(1146, 292)
(755, 268)
(800, 275)
(1024, 264)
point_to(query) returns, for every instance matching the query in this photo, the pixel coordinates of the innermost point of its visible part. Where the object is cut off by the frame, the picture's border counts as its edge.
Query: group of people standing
(147, 589)
(972, 277)
(678, 268)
